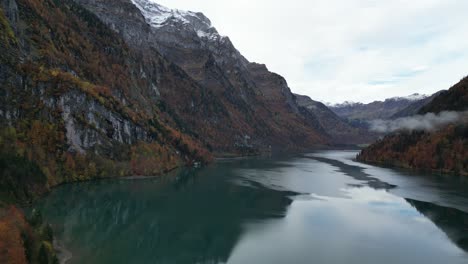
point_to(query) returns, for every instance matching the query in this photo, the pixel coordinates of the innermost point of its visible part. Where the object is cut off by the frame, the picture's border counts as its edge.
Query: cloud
(358, 50)
(427, 122)
(400, 76)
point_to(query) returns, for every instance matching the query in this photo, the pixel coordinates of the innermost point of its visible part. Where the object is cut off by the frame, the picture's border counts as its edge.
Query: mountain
(78, 103)
(377, 109)
(237, 106)
(97, 89)
(92, 89)
(441, 150)
(338, 130)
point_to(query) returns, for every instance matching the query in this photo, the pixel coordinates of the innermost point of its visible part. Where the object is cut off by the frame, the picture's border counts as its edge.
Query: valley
(143, 132)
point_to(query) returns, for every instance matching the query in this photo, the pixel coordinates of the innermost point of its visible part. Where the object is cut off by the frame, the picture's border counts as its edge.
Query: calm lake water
(315, 208)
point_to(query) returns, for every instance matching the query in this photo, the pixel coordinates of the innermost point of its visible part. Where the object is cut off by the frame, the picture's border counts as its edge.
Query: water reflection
(320, 208)
(181, 219)
(452, 221)
(356, 172)
(370, 226)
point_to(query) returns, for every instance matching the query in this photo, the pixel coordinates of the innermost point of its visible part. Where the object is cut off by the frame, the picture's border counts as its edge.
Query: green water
(315, 208)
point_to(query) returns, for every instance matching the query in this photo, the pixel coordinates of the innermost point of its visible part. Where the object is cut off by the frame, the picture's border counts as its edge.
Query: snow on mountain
(378, 109)
(159, 16)
(413, 97)
(344, 104)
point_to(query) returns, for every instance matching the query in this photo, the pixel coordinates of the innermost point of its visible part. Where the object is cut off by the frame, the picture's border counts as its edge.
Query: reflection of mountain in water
(355, 172)
(188, 218)
(452, 221)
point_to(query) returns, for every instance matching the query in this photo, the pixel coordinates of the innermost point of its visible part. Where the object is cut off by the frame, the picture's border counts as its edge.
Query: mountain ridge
(360, 112)
(412, 97)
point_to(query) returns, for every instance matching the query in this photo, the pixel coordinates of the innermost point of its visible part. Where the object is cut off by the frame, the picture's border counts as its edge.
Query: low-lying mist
(427, 122)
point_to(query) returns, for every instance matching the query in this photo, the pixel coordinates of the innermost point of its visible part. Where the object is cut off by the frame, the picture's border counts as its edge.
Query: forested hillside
(440, 150)
(73, 103)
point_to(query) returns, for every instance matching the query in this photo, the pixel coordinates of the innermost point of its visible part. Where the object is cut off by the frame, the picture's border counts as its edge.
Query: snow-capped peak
(416, 97)
(413, 97)
(159, 16)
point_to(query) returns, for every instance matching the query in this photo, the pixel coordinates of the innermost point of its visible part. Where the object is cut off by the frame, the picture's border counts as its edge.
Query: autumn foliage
(12, 224)
(66, 49)
(445, 150)
(25, 240)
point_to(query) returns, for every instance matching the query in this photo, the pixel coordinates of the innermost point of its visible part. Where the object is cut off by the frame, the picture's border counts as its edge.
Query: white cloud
(336, 50)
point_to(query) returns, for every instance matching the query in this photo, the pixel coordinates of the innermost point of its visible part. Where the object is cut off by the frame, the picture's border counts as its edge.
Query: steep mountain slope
(338, 130)
(443, 150)
(375, 110)
(236, 106)
(456, 99)
(71, 108)
(78, 103)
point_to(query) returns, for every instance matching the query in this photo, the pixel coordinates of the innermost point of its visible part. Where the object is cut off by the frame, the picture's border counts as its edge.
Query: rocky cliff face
(79, 103)
(233, 106)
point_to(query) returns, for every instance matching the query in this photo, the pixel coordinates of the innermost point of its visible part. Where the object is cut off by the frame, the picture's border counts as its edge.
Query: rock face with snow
(233, 105)
(158, 16)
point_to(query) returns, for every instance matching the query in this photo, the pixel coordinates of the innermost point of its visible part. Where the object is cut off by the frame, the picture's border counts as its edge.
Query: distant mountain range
(413, 97)
(415, 106)
(390, 108)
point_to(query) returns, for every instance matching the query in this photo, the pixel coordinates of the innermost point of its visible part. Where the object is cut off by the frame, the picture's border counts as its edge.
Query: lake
(320, 207)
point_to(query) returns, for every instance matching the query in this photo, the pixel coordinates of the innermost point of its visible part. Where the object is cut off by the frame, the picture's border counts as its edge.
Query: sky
(348, 50)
